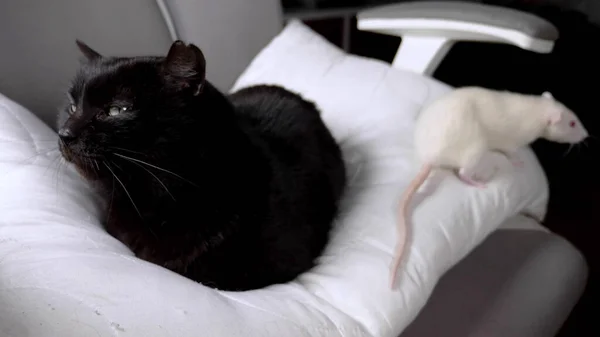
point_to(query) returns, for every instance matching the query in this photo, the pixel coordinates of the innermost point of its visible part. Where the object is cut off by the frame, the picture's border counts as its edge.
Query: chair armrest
(429, 28)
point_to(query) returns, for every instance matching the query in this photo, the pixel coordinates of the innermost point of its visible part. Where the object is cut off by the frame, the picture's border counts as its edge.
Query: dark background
(571, 73)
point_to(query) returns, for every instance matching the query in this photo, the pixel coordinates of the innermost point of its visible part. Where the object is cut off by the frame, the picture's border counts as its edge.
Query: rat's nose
(66, 134)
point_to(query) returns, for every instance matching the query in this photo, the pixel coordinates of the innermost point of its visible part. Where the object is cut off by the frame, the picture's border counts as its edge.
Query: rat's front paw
(515, 159)
(518, 163)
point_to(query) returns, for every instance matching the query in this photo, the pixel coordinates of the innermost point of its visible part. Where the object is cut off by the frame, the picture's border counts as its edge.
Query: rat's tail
(401, 226)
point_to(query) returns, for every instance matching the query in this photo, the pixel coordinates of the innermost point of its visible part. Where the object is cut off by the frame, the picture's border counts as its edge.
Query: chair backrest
(38, 55)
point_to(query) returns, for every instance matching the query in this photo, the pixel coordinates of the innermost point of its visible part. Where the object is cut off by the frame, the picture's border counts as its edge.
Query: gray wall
(38, 56)
(230, 32)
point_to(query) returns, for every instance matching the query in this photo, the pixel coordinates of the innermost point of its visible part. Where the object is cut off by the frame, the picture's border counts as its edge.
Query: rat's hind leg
(478, 168)
(467, 173)
(468, 177)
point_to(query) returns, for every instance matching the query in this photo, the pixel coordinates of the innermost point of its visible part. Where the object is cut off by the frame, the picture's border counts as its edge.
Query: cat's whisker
(64, 167)
(163, 185)
(154, 166)
(126, 150)
(112, 196)
(115, 164)
(88, 164)
(37, 154)
(56, 160)
(60, 166)
(124, 188)
(26, 141)
(54, 176)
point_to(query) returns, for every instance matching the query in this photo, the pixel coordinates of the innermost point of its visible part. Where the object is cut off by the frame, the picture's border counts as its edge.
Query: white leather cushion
(62, 275)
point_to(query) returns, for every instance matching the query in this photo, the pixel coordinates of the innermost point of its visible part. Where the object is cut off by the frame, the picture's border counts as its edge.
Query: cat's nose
(66, 134)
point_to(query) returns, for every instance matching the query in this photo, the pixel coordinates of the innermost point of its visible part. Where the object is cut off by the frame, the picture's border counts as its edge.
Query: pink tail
(402, 227)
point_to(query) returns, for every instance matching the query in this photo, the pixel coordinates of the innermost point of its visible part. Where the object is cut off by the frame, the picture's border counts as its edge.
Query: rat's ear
(547, 94)
(554, 116)
(88, 52)
(185, 65)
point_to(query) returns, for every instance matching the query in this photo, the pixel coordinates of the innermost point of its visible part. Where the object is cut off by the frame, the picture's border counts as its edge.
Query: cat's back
(307, 182)
(291, 131)
(274, 109)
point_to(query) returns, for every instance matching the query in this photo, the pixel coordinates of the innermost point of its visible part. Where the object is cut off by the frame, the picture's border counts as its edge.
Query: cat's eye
(115, 110)
(72, 108)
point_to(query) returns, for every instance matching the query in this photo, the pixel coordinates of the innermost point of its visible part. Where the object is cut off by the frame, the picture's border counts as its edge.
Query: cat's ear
(186, 66)
(88, 52)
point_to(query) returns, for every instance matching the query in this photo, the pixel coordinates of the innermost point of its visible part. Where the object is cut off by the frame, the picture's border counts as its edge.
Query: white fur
(459, 128)
(465, 128)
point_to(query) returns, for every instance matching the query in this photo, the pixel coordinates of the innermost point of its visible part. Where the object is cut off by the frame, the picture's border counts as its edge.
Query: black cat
(235, 192)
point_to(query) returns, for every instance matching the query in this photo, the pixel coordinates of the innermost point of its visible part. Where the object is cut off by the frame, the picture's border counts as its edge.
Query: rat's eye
(572, 124)
(72, 108)
(115, 110)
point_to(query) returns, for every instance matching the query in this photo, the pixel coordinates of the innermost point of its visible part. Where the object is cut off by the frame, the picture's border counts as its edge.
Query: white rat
(459, 129)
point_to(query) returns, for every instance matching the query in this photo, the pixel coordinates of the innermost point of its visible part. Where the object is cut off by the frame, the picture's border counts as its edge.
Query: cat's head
(123, 103)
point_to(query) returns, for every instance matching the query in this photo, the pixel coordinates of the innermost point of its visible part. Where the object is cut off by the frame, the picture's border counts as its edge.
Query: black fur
(235, 192)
